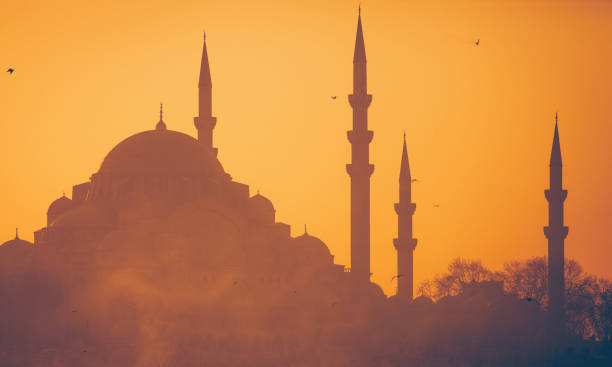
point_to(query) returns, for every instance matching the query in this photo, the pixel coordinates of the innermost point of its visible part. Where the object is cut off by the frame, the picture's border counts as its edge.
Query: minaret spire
(205, 122)
(360, 168)
(405, 165)
(556, 232)
(555, 154)
(404, 243)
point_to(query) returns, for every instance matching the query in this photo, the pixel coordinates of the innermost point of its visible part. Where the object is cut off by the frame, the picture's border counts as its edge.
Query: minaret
(556, 233)
(205, 122)
(404, 243)
(360, 168)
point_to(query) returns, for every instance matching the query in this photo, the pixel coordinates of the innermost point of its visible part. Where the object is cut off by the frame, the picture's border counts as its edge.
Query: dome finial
(161, 125)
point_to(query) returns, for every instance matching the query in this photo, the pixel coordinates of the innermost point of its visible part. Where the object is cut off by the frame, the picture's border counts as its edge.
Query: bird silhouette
(10, 70)
(477, 42)
(415, 180)
(436, 205)
(334, 97)
(397, 276)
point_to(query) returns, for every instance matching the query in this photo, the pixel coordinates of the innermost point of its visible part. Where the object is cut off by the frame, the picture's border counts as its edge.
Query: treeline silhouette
(588, 299)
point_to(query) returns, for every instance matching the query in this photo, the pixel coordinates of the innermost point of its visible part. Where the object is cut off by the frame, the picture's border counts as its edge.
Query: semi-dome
(161, 152)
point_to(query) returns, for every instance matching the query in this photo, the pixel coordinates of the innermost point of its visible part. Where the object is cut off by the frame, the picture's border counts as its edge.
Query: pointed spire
(359, 55)
(161, 125)
(16, 233)
(555, 154)
(205, 80)
(405, 166)
(305, 231)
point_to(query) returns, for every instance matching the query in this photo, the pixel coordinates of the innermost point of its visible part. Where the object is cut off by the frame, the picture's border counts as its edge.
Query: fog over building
(161, 258)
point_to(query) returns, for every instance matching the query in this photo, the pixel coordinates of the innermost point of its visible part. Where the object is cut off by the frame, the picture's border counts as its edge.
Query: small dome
(262, 202)
(313, 249)
(261, 209)
(60, 205)
(16, 243)
(422, 301)
(57, 208)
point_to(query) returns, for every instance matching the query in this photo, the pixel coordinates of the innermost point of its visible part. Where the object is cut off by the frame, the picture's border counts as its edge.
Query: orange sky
(479, 120)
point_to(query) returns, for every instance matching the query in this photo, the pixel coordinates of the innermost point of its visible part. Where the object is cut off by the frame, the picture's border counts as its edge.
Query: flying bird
(477, 42)
(334, 97)
(436, 205)
(397, 276)
(415, 180)
(10, 70)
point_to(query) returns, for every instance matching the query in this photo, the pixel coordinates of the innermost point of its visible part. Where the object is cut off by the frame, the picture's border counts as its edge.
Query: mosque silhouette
(162, 210)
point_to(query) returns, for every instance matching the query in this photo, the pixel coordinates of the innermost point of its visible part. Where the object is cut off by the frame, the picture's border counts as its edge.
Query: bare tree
(527, 279)
(588, 300)
(460, 272)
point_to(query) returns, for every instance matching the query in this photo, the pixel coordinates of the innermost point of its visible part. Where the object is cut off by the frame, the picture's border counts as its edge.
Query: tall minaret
(556, 233)
(360, 168)
(404, 243)
(205, 122)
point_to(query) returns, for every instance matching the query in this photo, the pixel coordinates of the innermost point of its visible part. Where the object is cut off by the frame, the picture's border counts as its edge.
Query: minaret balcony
(407, 209)
(360, 100)
(207, 122)
(555, 195)
(360, 136)
(556, 232)
(409, 244)
(359, 170)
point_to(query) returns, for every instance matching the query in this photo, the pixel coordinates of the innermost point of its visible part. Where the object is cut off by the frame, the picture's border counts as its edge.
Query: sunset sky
(479, 120)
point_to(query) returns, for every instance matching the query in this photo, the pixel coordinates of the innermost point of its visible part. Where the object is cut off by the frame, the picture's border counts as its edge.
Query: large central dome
(161, 153)
(160, 164)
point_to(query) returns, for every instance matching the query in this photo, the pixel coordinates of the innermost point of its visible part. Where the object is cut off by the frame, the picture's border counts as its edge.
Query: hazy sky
(479, 120)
